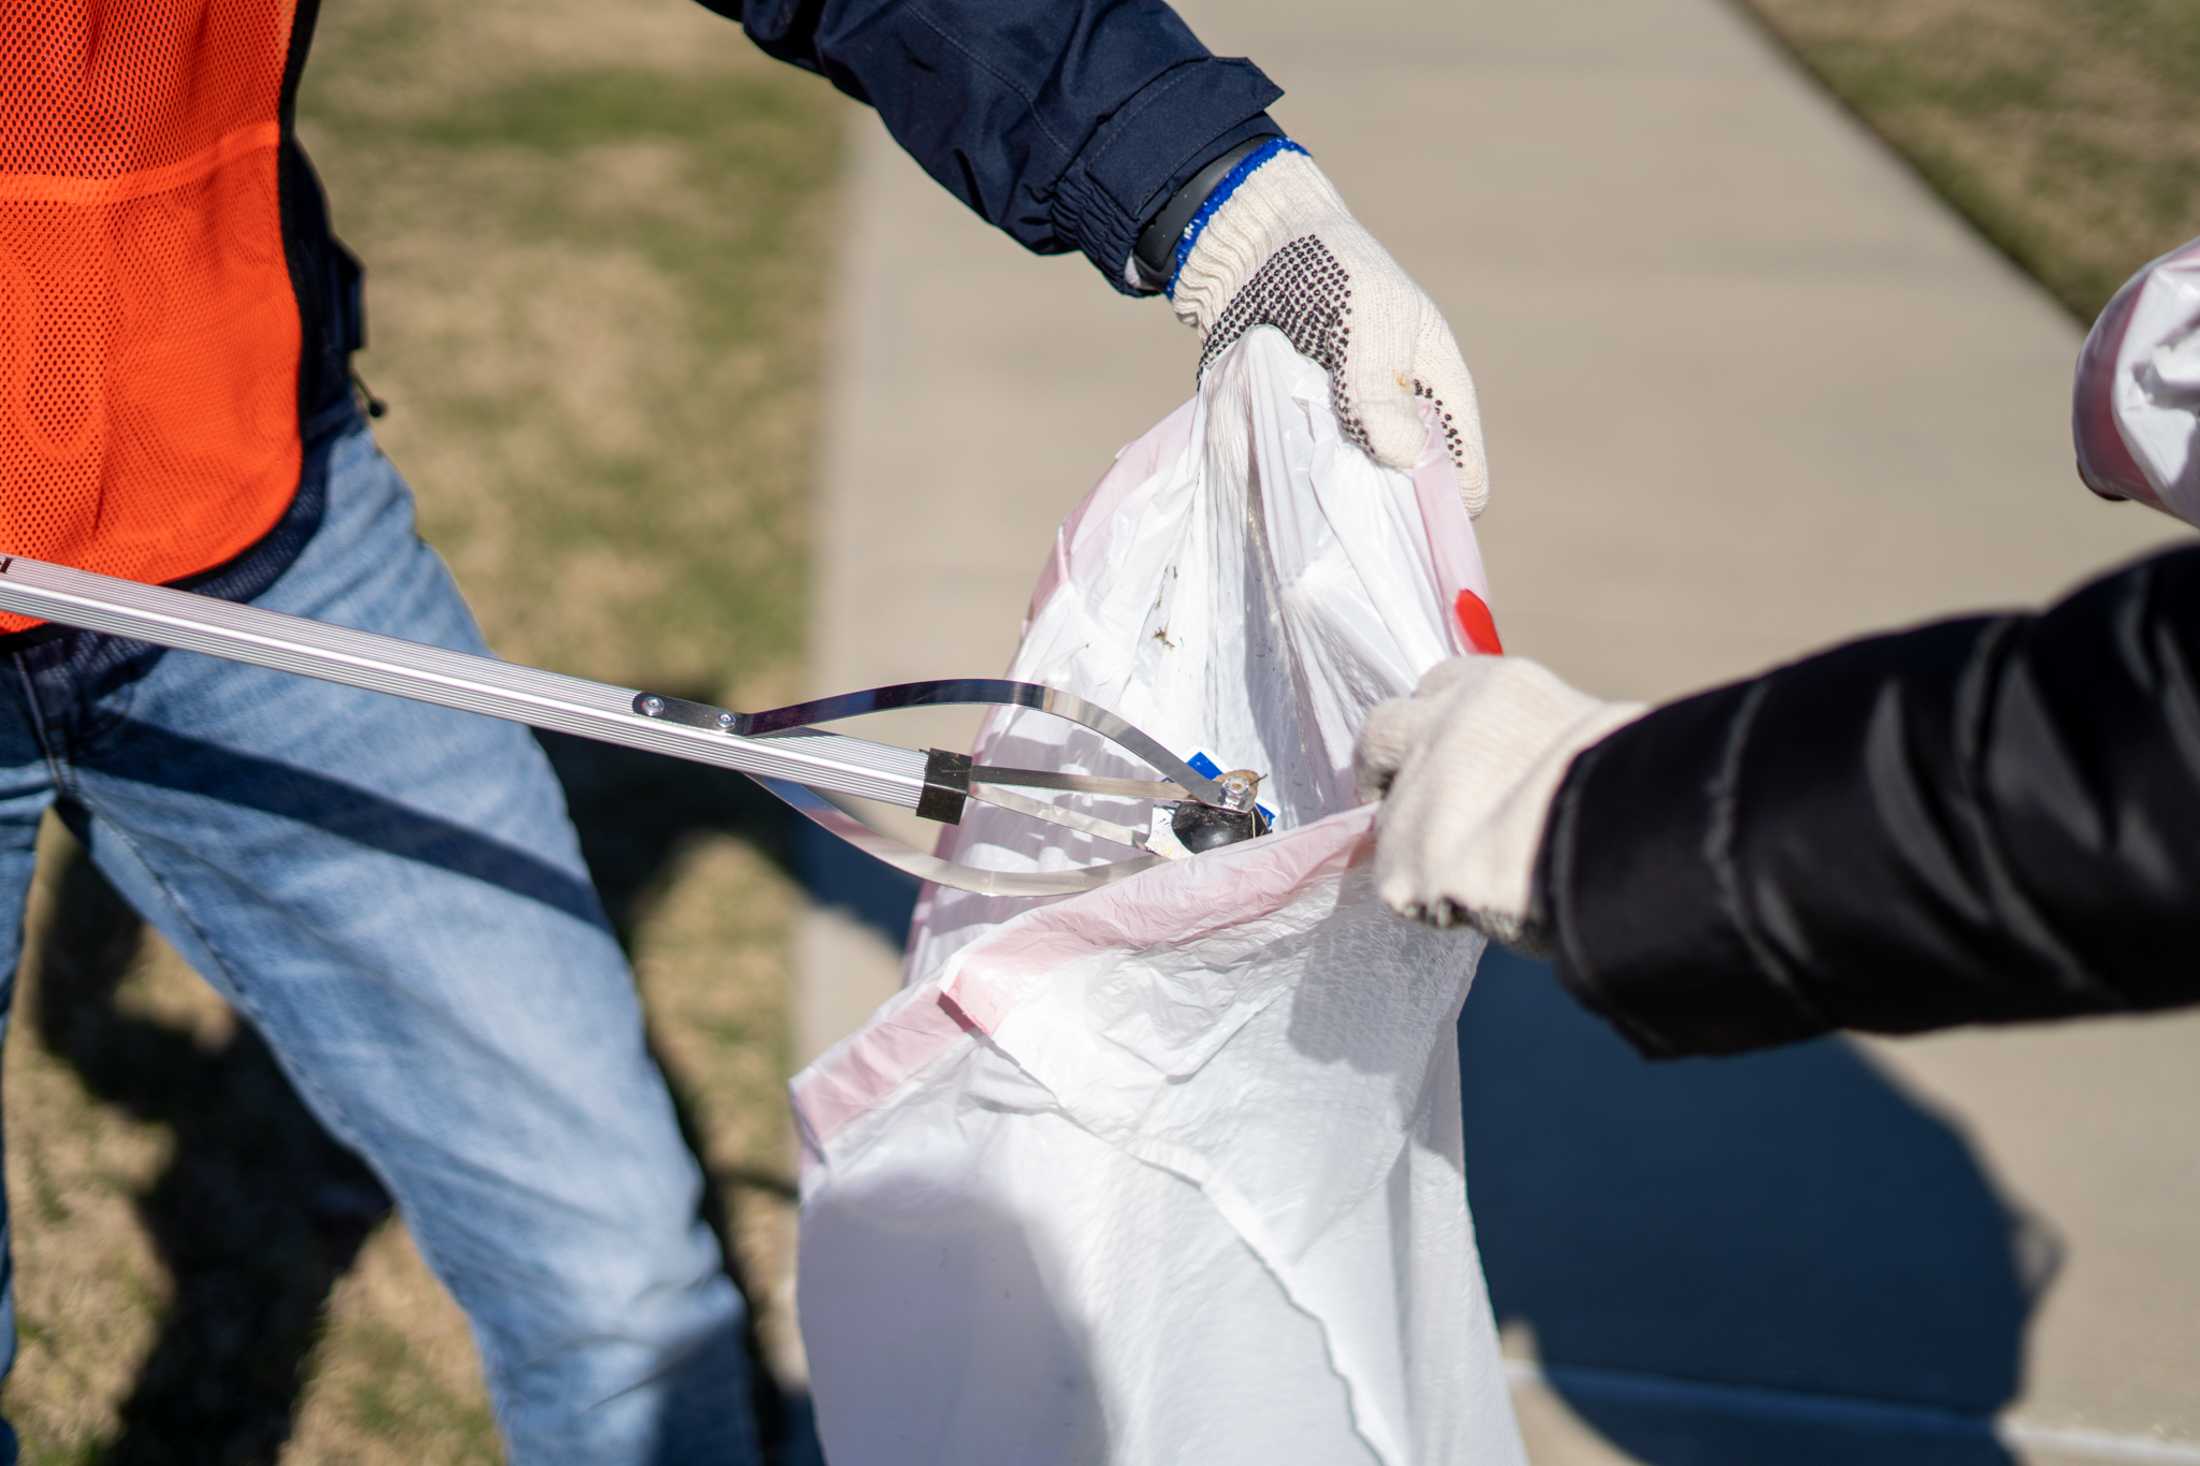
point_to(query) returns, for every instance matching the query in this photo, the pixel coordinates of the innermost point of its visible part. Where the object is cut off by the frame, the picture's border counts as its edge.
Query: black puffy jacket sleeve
(1982, 820)
(1067, 123)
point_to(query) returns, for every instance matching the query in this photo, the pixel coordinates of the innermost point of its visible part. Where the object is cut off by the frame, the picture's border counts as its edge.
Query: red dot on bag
(1475, 620)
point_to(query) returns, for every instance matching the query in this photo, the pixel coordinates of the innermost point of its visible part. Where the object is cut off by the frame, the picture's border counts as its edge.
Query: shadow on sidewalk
(1791, 1222)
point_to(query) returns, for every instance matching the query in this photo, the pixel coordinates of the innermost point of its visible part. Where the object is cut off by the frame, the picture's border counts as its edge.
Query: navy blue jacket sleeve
(1068, 123)
(1980, 821)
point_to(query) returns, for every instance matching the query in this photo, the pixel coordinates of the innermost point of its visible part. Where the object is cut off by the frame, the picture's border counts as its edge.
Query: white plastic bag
(2136, 406)
(1171, 1171)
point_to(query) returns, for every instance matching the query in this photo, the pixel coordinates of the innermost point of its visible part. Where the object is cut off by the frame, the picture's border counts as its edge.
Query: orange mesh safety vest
(150, 334)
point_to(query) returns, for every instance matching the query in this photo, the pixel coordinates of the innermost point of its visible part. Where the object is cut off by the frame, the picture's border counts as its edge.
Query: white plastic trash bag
(1170, 1171)
(2136, 406)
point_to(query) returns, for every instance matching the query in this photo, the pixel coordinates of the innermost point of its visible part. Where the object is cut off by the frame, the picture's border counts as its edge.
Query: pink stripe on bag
(1171, 905)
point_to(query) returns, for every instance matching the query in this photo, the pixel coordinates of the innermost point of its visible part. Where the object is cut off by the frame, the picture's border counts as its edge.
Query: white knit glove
(1281, 250)
(1467, 768)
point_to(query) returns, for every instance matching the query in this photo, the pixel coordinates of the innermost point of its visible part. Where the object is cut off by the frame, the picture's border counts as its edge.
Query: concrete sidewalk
(1747, 388)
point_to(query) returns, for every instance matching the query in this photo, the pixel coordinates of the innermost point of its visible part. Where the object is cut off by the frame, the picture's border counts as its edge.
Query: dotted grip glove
(1467, 769)
(1275, 246)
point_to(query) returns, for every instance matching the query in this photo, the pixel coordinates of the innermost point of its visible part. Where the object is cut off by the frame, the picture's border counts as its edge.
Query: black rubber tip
(1203, 827)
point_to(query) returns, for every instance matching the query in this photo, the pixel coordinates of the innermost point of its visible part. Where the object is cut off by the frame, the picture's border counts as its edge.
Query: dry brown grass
(2068, 130)
(593, 238)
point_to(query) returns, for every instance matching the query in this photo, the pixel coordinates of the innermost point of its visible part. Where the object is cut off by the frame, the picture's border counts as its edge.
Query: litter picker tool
(822, 775)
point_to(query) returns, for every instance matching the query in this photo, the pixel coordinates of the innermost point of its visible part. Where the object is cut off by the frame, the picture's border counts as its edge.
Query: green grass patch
(598, 244)
(2068, 131)
(561, 114)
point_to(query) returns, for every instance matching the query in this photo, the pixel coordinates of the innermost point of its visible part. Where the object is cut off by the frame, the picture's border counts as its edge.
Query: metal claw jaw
(1190, 812)
(1188, 827)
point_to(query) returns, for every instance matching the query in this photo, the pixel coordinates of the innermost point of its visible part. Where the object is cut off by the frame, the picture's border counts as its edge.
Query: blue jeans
(394, 897)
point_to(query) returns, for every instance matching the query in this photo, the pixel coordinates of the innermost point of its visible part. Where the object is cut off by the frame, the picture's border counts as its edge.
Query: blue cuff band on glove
(1273, 148)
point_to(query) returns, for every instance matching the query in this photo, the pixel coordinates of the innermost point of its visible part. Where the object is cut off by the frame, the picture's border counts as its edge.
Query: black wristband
(1154, 257)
